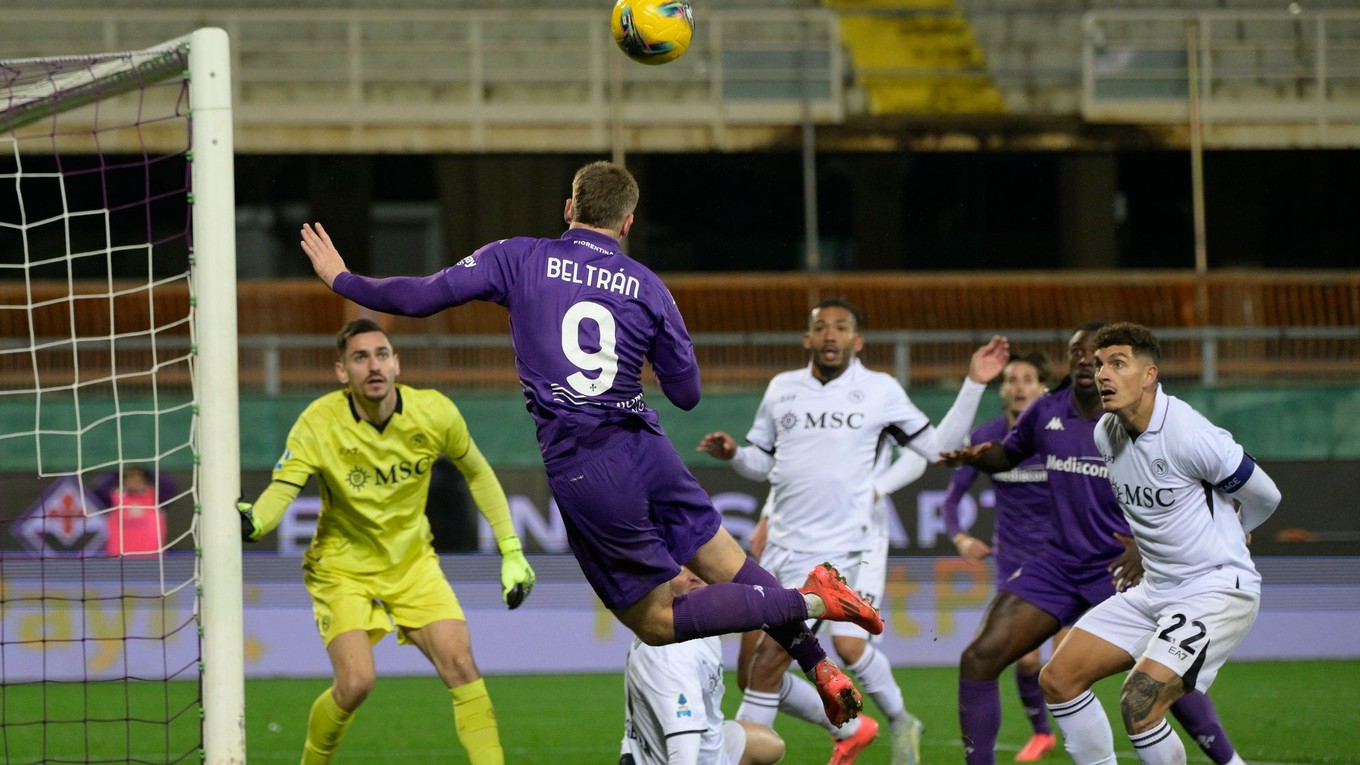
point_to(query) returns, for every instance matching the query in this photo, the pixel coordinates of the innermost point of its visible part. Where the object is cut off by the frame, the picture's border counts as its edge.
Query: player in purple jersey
(584, 318)
(1088, 556)
(1021, 527)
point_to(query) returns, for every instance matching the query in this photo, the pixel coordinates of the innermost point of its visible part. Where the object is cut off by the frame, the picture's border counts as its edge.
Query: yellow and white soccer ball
(652, 31)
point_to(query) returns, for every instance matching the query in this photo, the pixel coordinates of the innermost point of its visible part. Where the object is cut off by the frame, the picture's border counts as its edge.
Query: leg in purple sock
(1032, 697)
(793, 636)
(729, 607)
(1197, 715)
(979, 719)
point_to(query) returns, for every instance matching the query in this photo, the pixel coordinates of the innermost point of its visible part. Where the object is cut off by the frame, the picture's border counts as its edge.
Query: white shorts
(866, 571)
(734, 742)
(1190, 633)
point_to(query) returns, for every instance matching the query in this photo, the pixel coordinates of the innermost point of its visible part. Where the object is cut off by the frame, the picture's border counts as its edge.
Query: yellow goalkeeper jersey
(374, 482)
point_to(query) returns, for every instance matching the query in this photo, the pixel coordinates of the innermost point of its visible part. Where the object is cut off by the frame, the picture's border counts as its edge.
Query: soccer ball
(652, 31)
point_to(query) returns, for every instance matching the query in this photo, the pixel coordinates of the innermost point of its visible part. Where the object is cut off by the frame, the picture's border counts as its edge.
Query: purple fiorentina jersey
(1023, 502)
(583, 318)
(1085, 513)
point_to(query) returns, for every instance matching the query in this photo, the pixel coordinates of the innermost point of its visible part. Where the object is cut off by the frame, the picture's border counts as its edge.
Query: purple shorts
(1006, 564)
(1061, 590)
(633, 513)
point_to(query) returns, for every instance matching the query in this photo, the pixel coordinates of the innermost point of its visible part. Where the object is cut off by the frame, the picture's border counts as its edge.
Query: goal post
(213, 284)
(118, 356)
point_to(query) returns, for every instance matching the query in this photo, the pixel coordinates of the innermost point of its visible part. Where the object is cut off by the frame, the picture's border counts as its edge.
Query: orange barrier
(303, 313)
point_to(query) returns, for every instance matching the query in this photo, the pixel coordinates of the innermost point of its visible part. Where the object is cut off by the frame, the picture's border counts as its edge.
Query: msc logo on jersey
(400, 471)
(821, 421)
(397, 472)
(1143, 496)
(682, 708)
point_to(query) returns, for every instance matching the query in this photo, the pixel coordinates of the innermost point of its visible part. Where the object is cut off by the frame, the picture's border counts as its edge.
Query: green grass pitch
(1276, 712)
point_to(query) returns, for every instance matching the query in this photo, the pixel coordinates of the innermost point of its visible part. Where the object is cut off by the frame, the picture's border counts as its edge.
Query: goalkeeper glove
(517, 577)
(247, 512)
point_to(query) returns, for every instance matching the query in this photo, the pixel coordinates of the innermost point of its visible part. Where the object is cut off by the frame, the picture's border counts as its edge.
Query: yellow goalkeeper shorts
(412, 595)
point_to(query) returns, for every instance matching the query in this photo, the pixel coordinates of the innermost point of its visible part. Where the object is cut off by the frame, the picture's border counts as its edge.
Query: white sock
(876, 679)
(799, 698)
(1085, 729)
(759, 707)
(1159, 746)
(1236, 760)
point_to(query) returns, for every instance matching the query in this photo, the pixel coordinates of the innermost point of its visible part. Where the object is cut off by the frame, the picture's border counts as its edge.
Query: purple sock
(1032, 697)
(792, 636)
(979, 719)
(752, 600)
(1197, 715)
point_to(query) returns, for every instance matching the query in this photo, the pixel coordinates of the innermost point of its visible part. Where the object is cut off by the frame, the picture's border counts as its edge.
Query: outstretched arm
(401, 295)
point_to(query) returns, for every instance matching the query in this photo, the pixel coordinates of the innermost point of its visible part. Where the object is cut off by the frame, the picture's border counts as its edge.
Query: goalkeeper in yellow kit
(371, 563)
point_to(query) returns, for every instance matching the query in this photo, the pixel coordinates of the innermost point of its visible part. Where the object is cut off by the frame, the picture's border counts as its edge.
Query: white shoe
(906, 741)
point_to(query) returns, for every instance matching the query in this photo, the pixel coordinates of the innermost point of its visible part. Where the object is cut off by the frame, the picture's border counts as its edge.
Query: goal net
(120, 603)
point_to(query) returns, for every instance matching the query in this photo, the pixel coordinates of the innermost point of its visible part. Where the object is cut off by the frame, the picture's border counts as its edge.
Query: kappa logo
(1054, 424)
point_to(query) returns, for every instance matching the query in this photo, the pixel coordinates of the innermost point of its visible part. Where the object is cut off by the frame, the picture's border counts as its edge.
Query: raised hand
(989, 360)
(326, 260)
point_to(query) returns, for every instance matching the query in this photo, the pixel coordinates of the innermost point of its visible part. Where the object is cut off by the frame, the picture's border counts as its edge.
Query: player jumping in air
(584, 318)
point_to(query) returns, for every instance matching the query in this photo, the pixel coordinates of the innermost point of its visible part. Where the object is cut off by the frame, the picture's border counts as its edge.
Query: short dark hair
(356, 327)
(1136, 336)
(602, 195)
(1036, 359)
(1091, 326)
(838, 303)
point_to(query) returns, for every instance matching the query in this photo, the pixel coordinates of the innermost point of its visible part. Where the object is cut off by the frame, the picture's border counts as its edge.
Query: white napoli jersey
(674, 689)
(825, 439)
(1173, 483)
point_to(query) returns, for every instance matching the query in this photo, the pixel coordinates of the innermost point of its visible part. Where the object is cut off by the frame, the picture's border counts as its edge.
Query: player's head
(136, 478)
(1081, 361)
(1126, 364)
(833, 337)
(367, 363)
(603, 196)
(1024, 379)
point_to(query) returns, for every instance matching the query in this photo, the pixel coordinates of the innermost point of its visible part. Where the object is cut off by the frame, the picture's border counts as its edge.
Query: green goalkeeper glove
(247, 512)
(517, 577)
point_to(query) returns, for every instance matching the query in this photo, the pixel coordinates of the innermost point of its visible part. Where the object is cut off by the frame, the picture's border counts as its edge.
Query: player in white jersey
(816, 437)
(673, 706)
(1178, 479)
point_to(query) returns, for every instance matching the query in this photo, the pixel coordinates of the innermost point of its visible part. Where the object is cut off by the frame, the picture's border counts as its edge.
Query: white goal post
(105, 390)
(214, 284)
